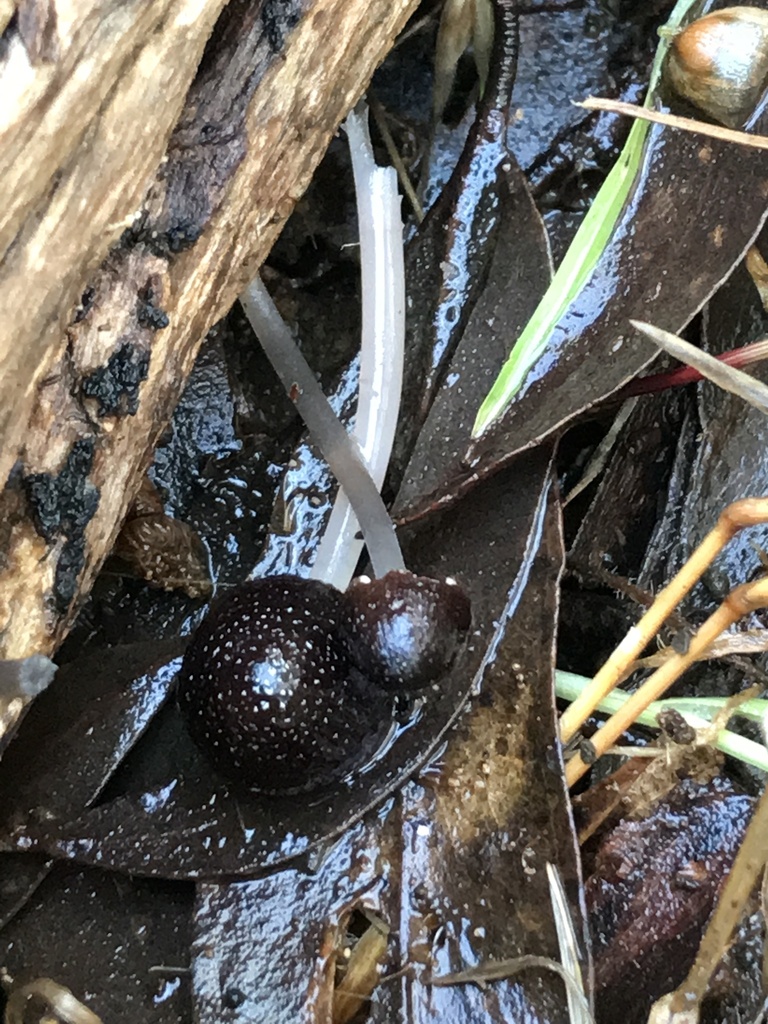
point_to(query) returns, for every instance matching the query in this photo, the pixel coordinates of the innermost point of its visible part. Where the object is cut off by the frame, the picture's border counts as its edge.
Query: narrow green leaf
(583, 253)
(697, 711)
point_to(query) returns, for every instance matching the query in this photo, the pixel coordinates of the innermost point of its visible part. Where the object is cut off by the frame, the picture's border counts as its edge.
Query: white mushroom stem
(339, 450)
(381, 350)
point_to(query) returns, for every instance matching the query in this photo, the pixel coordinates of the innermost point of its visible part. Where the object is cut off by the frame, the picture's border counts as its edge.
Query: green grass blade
(568, 686)
(583, 253)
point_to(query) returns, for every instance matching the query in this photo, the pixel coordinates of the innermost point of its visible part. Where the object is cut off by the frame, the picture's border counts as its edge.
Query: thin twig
(500, 970)
(746, 355)
(686, 124)
(380, 117)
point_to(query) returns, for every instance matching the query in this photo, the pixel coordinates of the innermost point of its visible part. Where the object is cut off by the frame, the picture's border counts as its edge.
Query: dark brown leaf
(698, 204)
(654, 885)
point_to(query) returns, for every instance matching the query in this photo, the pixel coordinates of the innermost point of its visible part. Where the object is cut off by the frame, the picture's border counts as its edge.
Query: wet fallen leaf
(73, 931)
(653, 886)
(697, 204)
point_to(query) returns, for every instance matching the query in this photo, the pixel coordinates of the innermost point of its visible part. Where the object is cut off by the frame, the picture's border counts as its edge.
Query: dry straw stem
(739, 603)
(110, 126)
(362, 974)
(686, 124)
(733, 519)
(60, 1000)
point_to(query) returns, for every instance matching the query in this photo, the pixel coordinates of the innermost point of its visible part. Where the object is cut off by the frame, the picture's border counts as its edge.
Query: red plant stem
(738, 357)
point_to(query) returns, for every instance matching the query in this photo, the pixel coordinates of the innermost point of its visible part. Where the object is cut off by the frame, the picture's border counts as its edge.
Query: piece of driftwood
(194, 188)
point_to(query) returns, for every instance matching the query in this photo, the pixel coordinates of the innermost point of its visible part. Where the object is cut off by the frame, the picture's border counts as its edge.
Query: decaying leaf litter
(427, 861)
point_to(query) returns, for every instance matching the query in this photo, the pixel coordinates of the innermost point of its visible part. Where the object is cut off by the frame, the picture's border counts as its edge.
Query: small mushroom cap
(405, 630)
(719, 63)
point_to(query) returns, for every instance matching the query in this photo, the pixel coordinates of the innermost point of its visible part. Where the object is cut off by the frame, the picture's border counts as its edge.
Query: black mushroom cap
(405, 630)
(267, 689)
(288, 684)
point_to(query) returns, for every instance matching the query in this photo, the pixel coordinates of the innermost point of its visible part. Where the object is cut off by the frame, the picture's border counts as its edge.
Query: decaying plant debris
(182, 138)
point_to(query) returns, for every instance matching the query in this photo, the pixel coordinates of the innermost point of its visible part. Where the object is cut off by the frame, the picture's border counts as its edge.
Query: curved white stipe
(382, 344)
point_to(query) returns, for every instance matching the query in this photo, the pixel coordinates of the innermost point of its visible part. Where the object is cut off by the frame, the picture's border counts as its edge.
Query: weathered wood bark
(81, 406)
(84, 132)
